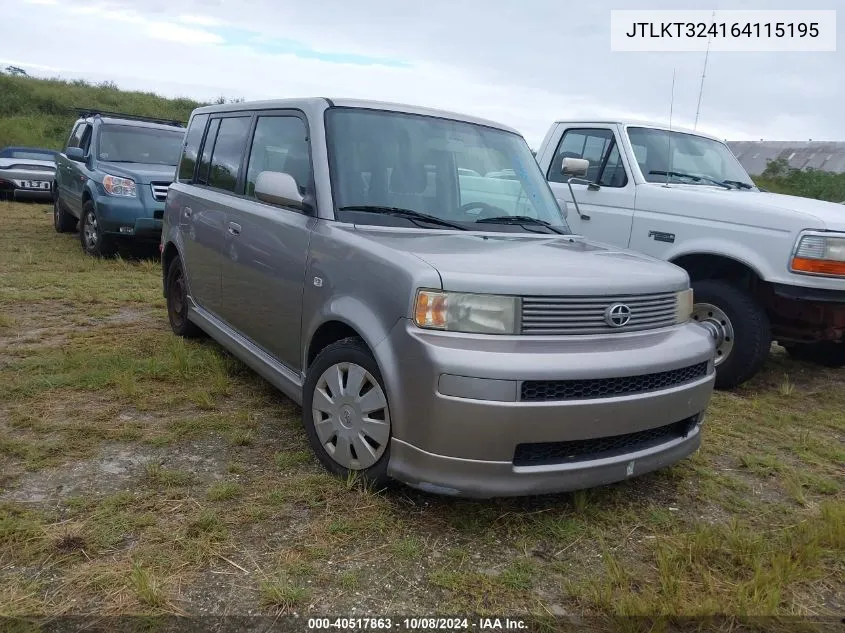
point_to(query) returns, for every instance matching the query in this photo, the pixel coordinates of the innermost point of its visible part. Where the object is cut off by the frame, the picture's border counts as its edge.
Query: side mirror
(277, 187)
(574, 167)
(76, 153)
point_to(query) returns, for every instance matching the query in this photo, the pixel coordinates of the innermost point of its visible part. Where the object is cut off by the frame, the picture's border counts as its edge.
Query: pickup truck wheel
(738, 324)
(826, 353)
(177, 302)
(345, 412)
(63, 221)
(94, 241)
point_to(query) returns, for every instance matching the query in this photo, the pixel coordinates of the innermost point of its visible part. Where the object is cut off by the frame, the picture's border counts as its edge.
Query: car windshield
(136, 144)
(28, 154)
(693, 159)
(387, 164)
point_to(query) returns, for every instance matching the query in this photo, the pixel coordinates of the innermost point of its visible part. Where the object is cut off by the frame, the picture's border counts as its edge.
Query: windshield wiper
(680, 174)
(520, 219)
(739, 184)
(399, 212)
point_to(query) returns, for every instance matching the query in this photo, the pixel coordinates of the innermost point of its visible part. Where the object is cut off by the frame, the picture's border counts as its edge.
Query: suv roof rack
(86, 112)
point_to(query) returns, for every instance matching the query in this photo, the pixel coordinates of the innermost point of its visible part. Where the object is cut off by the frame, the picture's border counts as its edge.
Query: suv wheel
(345, 411)
(94, 241)
(739, 325)
(63, 221)
(826, 353)
(177, 302)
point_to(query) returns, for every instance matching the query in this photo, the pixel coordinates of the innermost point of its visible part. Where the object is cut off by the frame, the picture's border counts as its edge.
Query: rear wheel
(345, 411)
(94, 241)
(739, 326)
(826, 353)
(63, 221)
(177, 302)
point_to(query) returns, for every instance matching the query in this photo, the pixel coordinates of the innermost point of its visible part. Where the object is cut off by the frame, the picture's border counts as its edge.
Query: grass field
(143, 474)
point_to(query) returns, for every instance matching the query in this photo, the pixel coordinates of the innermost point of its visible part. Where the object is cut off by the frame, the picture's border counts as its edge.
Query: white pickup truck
(764, 266)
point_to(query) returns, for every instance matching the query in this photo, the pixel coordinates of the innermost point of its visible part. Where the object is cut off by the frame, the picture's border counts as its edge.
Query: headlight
(117, 186)
(683, 305)
(464, 312)
(819, 255)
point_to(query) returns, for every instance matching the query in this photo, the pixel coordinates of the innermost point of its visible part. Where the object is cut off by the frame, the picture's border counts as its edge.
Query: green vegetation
(811, 183)
(39, 112)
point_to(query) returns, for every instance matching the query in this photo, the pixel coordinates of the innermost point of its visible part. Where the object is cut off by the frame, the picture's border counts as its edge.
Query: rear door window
(190, 152)
(208, 146)
(228, 153)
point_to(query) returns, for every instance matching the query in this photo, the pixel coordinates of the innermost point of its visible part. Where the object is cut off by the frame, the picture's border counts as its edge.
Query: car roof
(312, 102)
(23, 148)
(130, 122)
(639, 123)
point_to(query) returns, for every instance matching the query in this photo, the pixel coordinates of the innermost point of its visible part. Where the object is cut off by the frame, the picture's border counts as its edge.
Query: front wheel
(825, 353)
(739, 326)
(345, 412)
(94, 241)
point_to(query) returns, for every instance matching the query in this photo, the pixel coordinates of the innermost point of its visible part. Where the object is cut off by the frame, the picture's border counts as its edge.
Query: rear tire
(750, 336)
(63, 221)
(346, 413)
(177, 302)
(825, 353)
(94, 241)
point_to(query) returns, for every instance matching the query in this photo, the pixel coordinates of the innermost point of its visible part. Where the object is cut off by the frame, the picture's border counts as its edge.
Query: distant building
(822, 155)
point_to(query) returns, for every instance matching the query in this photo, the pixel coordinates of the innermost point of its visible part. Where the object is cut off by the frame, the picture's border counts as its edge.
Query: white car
(27, 173)
(764, 266)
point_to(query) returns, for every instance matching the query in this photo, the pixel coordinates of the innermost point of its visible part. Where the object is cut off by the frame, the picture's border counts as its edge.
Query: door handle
(234, 229)
(187, 211)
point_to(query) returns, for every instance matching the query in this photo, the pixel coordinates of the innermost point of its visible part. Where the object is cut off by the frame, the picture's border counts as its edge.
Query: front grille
(586, 315)
(160, 190)
(589, 388)
(549, 453)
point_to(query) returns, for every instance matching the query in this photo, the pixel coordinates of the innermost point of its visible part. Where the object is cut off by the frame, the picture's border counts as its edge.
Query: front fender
(734, 250)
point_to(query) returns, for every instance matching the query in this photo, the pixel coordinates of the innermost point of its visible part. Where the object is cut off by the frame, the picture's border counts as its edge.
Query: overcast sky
(524, 63)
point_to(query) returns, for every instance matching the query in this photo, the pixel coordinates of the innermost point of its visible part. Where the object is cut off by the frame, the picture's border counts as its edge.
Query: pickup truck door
(609, 201)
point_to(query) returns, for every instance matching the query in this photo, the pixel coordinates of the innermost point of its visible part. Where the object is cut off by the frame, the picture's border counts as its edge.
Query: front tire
(825, 353)
(63, 221)
(346, 413)
(94, 241)
(177, 302)
(740, 325)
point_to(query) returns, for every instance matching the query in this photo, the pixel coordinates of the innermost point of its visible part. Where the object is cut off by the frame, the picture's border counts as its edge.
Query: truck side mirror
(277, 187)
(76, 154)
(574, 167)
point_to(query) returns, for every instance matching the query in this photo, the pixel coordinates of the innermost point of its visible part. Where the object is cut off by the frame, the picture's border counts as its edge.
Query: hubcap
(351, 416)
(719, 325)
(90, 230)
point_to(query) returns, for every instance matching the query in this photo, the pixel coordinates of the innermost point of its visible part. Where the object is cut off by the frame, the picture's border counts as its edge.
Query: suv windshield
(136, 144)
(387, 164)
(694, 159)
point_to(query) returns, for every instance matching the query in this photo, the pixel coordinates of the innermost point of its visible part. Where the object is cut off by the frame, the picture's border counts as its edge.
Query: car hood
(141, 173)
(24, 163)
(533, 264)
(773, 210)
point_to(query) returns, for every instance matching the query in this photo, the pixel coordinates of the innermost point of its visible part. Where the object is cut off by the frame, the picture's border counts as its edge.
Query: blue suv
(112, 178)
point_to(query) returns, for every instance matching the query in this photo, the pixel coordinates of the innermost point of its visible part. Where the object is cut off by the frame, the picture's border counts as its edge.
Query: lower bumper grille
(550, 390)
(551, 453)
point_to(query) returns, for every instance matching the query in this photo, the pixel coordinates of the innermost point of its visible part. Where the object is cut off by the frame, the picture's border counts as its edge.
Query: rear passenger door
(267, 245)
(609, 201)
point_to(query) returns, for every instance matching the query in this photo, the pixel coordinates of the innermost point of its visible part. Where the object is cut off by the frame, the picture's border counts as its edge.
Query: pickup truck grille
(586, 315)
(159, 190)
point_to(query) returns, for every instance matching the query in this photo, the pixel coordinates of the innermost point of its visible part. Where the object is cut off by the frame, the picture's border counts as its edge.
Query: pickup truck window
(597, 146)
(694, 159)
(452, 171)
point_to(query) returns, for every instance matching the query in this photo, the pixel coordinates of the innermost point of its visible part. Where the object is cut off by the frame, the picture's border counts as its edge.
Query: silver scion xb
(407, 276)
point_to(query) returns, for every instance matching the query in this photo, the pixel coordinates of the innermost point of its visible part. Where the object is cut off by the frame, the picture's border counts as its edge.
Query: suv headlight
(819, 255)
(117, 186)
(465, 312)
(683, 305)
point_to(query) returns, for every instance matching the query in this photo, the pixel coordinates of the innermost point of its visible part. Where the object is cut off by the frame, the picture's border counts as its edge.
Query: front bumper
(32, 194)
(461, 415)
(130, 217)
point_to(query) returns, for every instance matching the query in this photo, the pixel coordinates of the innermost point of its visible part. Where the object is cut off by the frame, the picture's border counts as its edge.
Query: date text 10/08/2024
(416, 624)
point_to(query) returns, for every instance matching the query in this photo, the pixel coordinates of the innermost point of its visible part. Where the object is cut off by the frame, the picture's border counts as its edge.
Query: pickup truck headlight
(683, 305)
(465, 312)
(819, 255)
(117, 186)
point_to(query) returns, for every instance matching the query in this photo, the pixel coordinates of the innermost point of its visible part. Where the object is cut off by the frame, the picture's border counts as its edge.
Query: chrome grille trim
(159, 190)
(585, 314)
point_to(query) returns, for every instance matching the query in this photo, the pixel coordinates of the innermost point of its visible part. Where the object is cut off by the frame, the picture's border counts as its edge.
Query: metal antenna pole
(671, 109)
(703, 74)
